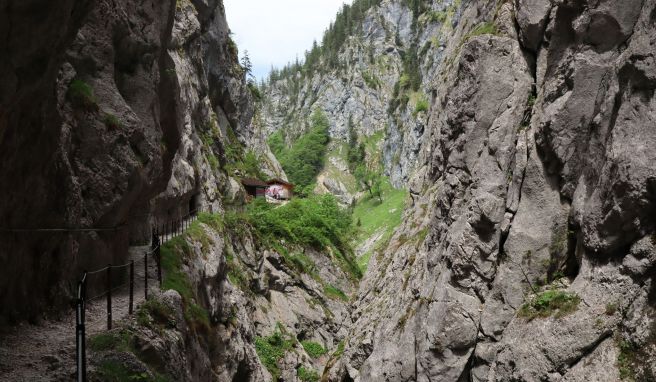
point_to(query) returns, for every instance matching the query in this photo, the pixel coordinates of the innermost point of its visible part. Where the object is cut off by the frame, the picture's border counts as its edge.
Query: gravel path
(46, 352)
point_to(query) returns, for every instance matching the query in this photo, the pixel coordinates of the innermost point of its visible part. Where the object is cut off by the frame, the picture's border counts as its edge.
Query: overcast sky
(275, 31)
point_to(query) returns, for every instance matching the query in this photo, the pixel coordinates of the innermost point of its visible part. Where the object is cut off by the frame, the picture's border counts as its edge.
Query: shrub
(481, 29)
(111, 121)
(307, 375)
(314, 350)
(110, 370)
(315, 222)
(550, 302)
(334, 292)
(421, 106)
(611, 308)
(272, 348)
(110, 341)
(626, 359)
(155, 314)
(81, 95)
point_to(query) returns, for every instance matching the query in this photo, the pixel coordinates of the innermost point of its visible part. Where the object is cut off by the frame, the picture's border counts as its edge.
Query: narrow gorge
(474, 194)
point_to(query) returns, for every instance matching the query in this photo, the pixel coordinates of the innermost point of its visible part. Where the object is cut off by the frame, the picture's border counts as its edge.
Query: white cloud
(275, 32)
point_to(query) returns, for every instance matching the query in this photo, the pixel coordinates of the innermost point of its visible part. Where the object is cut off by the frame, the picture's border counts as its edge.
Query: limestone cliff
(527, 253)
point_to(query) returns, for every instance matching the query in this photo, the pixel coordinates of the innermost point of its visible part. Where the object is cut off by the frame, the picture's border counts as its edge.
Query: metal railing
(163, 232)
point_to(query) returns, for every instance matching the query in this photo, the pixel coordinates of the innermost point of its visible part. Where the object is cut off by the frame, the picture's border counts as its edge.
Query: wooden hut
(255, 188)
(279, 189)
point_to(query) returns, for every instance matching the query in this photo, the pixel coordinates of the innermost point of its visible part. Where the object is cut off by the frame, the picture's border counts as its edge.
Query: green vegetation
(314, 350)
(111, 370)
(305, 158)
(421, 104)
(273, 348)
(611, 309)
(175, 278)
(481, 29)
(356, 152)
(317, 222)
(626, 360)
(111, 121)
(155, 314)
(550, 302)
(376, 216)
(347, 22)
(307, 375)
(112, 340)
(371, 80)
(81, 95)
(334, 292)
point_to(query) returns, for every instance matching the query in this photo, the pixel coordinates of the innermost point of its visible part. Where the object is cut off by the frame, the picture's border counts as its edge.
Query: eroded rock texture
(536, 168)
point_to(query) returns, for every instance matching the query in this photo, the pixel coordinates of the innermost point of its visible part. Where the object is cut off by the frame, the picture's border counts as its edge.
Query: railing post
(131, 287)
(109, 297)
(80, 340)
(159, 265)
(146, 275)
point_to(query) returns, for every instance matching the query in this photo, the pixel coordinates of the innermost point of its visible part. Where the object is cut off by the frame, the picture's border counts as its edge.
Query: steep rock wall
(534, 175)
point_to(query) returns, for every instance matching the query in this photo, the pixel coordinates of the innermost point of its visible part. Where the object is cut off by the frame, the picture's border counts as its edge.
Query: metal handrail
(177, 226)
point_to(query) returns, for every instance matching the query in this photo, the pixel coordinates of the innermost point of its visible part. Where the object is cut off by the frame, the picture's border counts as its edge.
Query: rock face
(114, 118)
(534, 177)
(367, 81)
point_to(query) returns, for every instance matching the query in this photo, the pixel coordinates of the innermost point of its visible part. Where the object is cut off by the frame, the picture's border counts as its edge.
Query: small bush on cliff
(550, 302)
(307, 375)
(81, 95)
(272, 348)
(112, 340)
(112, 121)
(314, 350)
(334, 292)
(111, 370)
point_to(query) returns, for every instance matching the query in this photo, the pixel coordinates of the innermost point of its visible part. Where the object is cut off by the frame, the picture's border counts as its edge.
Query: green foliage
(112, 340)
(307, 375)
(314, 350)
(481, 29)
(421, 106)
(438, 16)
(356, 153)
(155, 314)
(81, 95)
(304, 160)
(370, 180)
(175, 278)
(110, 370)
(334, 292)
(340, 349)
(371, 80)
(625, 360)
(376, 216)
(347, 22)
(111, 121)
(611, 308)
(277, 144)
(272, 348)
(255, 91)
(317, 222)
(550, 302)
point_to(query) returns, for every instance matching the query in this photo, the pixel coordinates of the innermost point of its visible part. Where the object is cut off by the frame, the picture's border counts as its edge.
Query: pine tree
(248, 68)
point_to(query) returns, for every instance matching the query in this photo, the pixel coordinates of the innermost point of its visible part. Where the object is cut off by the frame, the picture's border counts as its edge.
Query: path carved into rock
(46, 352)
